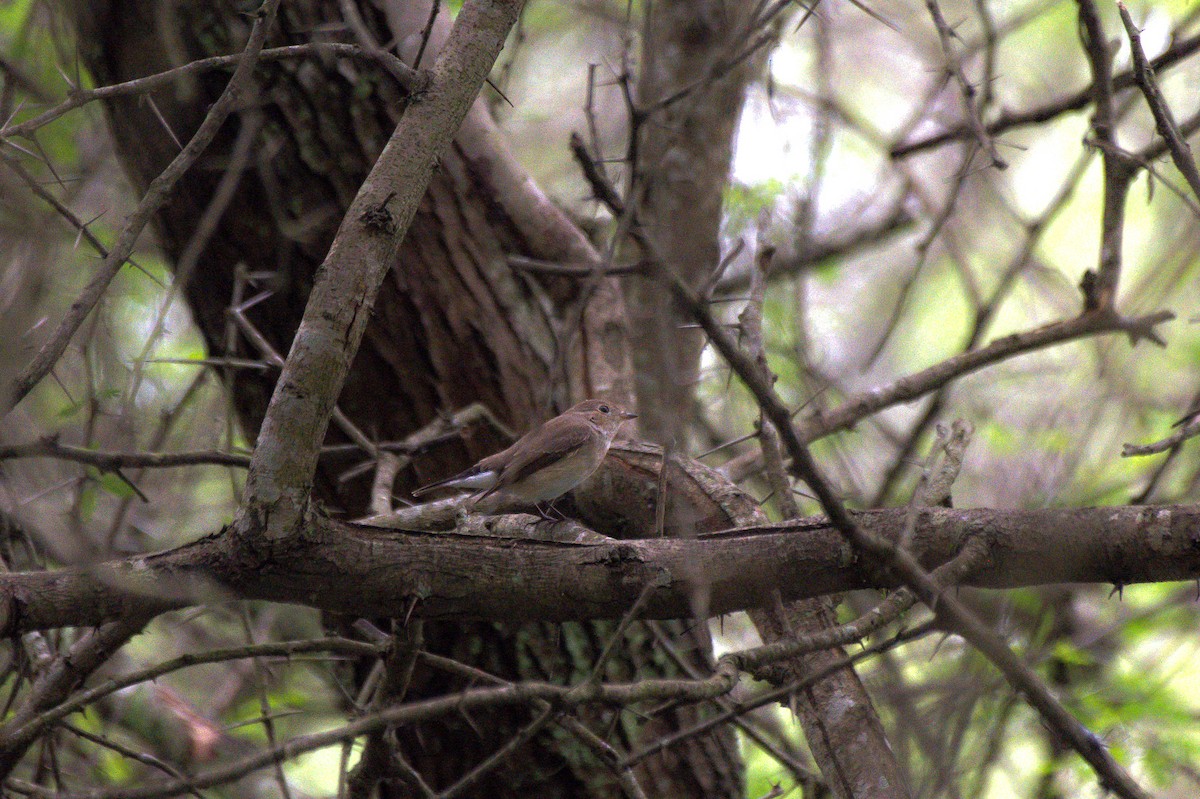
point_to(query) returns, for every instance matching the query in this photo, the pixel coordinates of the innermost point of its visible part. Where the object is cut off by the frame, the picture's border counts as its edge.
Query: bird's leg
(545, 512)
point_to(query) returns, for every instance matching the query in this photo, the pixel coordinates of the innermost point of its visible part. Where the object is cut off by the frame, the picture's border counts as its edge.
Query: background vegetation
(930, 178)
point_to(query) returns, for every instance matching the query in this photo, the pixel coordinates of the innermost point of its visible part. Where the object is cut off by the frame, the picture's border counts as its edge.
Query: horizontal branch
(407, 78)
(504, 573)
(285, 649)
(111, 461)
(720, 683)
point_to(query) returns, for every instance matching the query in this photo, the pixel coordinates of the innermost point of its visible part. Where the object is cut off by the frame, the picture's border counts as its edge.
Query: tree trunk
(698, 59)
(453, 324)
(685, 150)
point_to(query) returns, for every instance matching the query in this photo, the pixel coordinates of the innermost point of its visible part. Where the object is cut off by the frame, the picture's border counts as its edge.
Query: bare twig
(1100, 287)
(1073, 102)
(238, 314)
(910, 387)
(206, 227)
(435, 8)
(741, 707)
(285, 649)
(1189, 430)
(972, 556)
(132, 754)
(386, 467)
(266, 719)
(814, 251)
(969, 94)
(604, 751)
(413, 713)
(984, 312)
(1164, 120)
(112, 461)
(156, 194)
(938, 475)
(498, 757)
(574, 270)
(66, 213)
(159, 438)
(408, 78)
(54, 684)
(761, 737)
(752, 332)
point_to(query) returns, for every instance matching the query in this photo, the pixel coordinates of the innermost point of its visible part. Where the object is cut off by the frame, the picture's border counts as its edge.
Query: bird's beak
(628, 415)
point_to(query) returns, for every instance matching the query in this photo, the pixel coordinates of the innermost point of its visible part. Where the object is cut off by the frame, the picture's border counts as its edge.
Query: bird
(546, 462)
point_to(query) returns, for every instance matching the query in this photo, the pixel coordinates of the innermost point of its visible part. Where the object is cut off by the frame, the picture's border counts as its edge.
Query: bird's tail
(471, 479)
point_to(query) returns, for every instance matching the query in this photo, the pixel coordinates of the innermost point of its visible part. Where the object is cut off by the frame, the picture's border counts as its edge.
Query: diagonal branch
(56, 683)
(1182, 50)
(282, 468)
(900, 560)
(409, 79)
(1164, 120)
(913, 386)
(156, 194)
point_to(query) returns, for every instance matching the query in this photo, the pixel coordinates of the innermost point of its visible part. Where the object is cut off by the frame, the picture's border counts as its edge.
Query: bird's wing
(553, 441)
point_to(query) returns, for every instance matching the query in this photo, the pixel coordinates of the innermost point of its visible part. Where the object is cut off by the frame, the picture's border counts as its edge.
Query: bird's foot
(548, 512)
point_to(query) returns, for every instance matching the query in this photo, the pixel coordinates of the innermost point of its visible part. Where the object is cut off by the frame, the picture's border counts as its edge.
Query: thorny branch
(408, 79)
(114, 461)
(805, 467)
(1164, 119)
(1179, 52)
(1098, 317)
(156, 194)
(552, 704)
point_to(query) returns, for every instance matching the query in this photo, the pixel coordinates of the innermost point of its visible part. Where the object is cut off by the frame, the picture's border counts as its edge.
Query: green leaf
(111, 483)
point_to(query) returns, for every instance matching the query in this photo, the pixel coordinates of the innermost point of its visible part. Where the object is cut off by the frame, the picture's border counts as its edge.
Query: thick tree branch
(501, 573)
(335, 318)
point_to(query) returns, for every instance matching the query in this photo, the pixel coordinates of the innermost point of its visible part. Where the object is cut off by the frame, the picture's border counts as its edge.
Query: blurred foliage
(813, 157)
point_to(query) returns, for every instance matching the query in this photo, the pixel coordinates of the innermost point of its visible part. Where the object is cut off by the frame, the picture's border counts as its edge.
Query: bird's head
(605, 415)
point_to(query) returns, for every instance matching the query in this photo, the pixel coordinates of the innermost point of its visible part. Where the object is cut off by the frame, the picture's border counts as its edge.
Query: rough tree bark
(453, 324)
(698, 59)
(690, 88)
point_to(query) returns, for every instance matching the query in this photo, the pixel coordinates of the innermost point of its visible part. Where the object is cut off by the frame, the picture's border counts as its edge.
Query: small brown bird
(549, 460)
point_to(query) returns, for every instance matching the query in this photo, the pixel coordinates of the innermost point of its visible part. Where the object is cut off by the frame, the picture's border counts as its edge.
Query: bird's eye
(603, 409)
